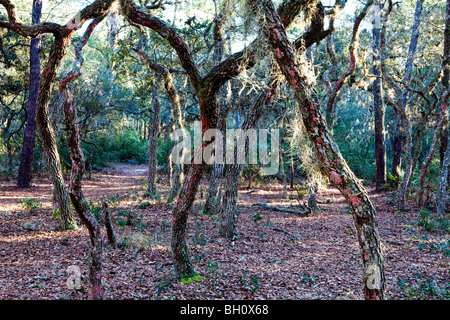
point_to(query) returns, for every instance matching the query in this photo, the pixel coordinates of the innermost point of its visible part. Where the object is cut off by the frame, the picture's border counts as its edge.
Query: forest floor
(278, 255)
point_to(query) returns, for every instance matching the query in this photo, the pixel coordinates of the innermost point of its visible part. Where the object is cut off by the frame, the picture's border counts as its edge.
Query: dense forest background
(113, 89)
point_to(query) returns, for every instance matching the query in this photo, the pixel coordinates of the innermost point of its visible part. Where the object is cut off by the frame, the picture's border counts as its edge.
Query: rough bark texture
(58, 51)
(443, 185)
(109, 225)
(62, 34)
(332, 162)
(176, 175)
(76, 175)
(352, 52)
(232, 174)
(78, 200)
(380, 142)
(26, 157)
(206, 88)
(227, 227)
(212, 202)
(442, 195)
(403, 129)
(283, 174)
(153, 141)
(313, 187)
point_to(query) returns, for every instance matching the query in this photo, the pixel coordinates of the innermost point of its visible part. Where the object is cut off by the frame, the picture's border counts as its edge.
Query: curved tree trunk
(213, 197)
(405, 127)
(442, 195)
(26, 157)
(206, 88)
(380, 145)
(227, 227)
(332, 162)
(153, 141)
(76, 175)
(58, 50)
(78, 200)
(176, 175)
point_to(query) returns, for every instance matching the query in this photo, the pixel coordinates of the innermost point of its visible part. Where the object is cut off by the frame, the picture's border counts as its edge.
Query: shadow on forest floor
(278, 255)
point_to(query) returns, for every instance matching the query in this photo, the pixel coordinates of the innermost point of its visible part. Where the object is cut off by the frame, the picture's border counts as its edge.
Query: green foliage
(443, 247)
(163, 152)
(128, 218)
(31, 205)
(96, 210)
(188, 280)
(430, 223)
(423, 287)
(113, 201)
(249, 282)
(123, 146)
(164, 285)
(307, 279)
(257, 216)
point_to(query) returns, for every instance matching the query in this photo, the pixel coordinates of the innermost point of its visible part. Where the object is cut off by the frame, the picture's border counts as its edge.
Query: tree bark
(403, 129)
(176, 170)
(444, 180)
(26, 157)
(227, 227)
(206, 88)
(213, 197)
(153, 140)
(332, 162)
(379, 109)
(62, 35)
(58, 51)
(76, 175)
(443, 184)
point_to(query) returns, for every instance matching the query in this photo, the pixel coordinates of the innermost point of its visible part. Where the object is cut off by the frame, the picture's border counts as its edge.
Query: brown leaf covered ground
(278, 255)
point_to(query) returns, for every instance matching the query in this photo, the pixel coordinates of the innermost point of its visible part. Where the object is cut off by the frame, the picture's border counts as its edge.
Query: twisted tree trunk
(442, 195)
(332, 162)
(380, 144)
(76, 175)
(153, 141)
(403, 130)
(58, 50)
(26, 157)
(213, 197)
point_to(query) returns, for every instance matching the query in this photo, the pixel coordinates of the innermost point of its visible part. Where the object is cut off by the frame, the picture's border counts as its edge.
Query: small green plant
(154, 196)
(55, 214)
(31, 205)
(188, 280)
(257, 216)
(250, 282)
(429, 223)
(212, 266)
(254, 283)
(423, 287)
(164, 285)
(301, 191)
(443, 247)
(144, 205)
(64, 241)
(96, 210)
(199, 257)
(128, 218)
(307, 279)
(113, 201)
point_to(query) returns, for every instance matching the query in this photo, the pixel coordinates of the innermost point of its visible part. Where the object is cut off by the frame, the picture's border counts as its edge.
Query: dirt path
(278, 255)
